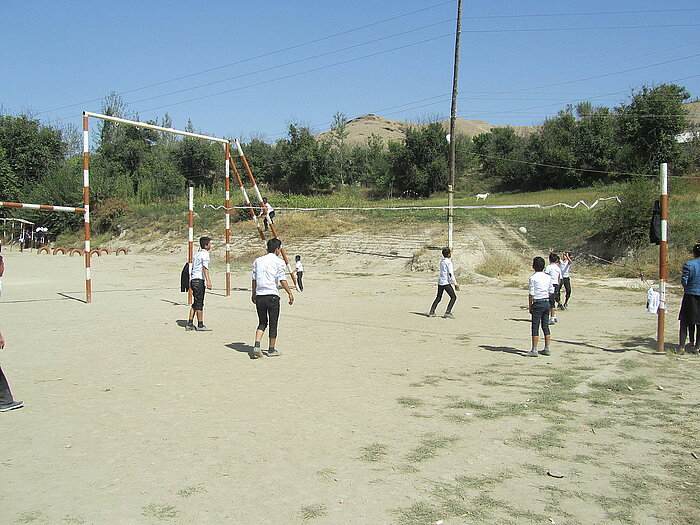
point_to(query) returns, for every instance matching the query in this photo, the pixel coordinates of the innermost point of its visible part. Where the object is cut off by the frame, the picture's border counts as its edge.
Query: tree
(418, 167)
(31, 150)
(649, 124)
(339, 134)
(502, 154)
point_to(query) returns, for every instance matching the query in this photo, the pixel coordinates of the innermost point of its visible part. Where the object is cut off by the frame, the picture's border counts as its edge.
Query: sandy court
(369, 412)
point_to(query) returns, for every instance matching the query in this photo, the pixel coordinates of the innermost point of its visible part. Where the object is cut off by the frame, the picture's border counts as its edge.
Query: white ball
(522, 229)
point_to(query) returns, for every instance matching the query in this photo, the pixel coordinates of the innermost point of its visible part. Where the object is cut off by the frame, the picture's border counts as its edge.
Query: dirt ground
(374, 413)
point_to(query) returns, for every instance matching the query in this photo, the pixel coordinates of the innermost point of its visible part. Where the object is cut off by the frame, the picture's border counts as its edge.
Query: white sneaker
(532, 353)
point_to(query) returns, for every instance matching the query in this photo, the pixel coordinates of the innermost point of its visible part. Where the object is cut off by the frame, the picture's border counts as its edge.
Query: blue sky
(242, 69)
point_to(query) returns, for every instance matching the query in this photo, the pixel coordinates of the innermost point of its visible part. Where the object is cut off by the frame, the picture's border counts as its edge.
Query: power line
(282, 50)
(271, 68)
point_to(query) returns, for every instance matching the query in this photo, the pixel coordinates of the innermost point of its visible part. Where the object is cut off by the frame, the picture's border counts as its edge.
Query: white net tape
(417, 208)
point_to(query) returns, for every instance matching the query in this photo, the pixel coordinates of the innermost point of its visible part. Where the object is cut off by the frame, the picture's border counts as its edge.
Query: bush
(626, 226)
(107, 214)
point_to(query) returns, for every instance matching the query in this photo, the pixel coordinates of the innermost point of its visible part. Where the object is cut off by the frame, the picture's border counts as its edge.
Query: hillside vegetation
(139, 176)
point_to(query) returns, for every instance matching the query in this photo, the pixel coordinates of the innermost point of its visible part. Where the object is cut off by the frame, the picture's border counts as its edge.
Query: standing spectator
(445, 281)
(540, 291)
(199, 278)
(689, 315)
(299, 270)
(554, 272)
(565, 266)
(268, 276)
(270, 212)
(6, 400)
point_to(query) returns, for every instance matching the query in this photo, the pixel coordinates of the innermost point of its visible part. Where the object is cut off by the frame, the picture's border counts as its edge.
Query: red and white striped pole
(263, 206)
(190, 235)
(246, 198)
(44, 207)
(663, 250)
(228, 219)
(86, 205)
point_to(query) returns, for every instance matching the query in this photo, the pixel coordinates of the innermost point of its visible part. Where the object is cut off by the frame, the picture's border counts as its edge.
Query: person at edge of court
(445, 281)
(689, 315)
(268, 276)
(540, 291)
(299, 270)
(199, 278)
(7, 402)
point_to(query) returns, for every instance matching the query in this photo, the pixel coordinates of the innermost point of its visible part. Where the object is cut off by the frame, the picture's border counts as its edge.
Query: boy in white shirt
(540, 290)
(267, 211)
(565, 265)
(445, 281)
(299, 271)
(268, 275)
(199, 278)
(554, 272)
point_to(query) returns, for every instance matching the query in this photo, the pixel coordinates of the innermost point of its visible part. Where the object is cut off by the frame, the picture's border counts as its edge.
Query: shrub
(107, 214)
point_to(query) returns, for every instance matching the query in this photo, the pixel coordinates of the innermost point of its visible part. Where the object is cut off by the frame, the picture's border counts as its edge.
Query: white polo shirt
(554, 272)
(268, 271)
(199, 262)
(540, 285)
(447, 272)
(299, 266)
(565, 268)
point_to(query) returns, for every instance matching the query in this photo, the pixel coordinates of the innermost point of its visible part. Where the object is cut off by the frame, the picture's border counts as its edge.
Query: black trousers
(566, 281)
(299, 277)
(5, 393)
(198, 290)
(268, 307)
(272, 216)
(540, 316)
(453, 297)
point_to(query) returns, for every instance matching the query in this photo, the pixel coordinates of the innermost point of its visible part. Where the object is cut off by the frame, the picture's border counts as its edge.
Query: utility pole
(453, 142)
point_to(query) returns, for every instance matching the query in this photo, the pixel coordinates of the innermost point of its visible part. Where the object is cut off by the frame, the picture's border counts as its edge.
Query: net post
(228, 219)
(86, 205)
(663, 251)
(190, 235)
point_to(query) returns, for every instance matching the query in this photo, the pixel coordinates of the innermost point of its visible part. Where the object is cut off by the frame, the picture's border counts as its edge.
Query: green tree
(339, 134)
(502, 153)
(647, 127)
(31, 150)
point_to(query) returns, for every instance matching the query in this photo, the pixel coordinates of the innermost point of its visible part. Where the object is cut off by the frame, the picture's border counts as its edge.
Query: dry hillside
(361, 128)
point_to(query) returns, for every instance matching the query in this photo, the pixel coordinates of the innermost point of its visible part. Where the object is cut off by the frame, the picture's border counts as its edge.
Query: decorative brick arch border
(44, 249)
(125, 251)
(78, 251)
(105, 251)
(60, 250)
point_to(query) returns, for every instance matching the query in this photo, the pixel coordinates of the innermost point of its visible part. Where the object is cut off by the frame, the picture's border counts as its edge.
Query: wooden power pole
(453, 142)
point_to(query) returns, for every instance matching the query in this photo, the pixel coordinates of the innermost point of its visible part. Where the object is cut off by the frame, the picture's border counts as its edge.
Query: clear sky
(241, 69)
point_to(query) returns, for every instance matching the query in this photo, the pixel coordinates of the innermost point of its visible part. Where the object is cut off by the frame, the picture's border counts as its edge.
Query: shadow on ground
(240, 347)
(506, 349)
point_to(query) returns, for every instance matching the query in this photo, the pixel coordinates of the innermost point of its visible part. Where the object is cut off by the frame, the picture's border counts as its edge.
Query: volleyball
(522, 229)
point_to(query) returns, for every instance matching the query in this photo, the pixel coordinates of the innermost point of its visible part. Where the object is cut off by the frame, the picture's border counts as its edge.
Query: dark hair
(297, 258)
(446, 252)
(203, 241)
(538, 264)
(273, 244)
(553, 257)
(264, 199)
(696, 250)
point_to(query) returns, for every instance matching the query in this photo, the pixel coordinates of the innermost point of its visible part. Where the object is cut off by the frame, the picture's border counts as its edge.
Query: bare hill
(361, 128)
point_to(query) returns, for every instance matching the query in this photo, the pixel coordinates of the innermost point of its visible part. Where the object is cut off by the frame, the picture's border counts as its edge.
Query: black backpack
(185, 278)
